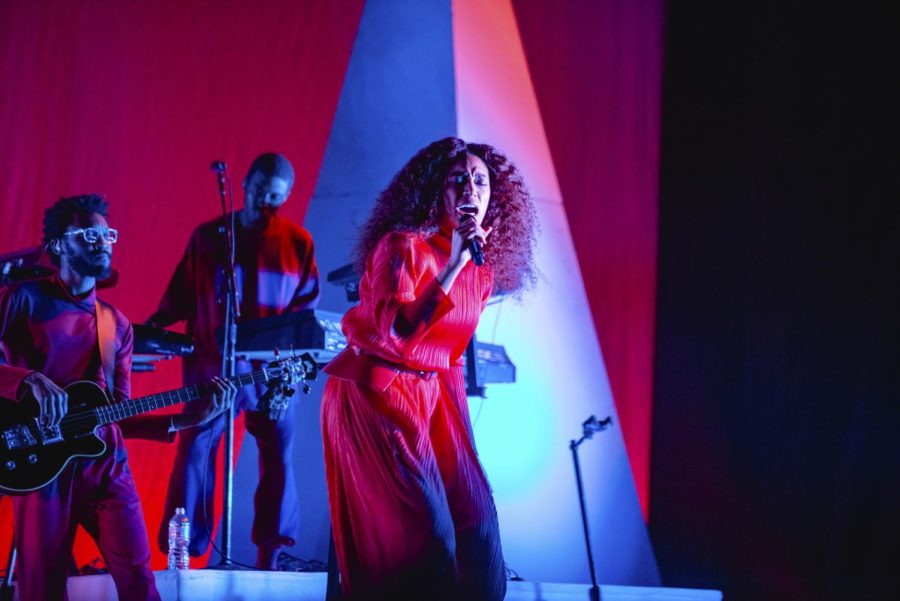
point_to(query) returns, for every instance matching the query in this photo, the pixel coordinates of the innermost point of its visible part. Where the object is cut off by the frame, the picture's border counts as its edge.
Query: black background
(776, 447)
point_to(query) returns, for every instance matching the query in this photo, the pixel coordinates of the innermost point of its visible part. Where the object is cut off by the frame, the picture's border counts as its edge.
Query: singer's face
(263, 196)
(467, 189)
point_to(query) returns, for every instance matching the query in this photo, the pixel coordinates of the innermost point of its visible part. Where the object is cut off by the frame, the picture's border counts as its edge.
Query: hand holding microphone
(472, 232)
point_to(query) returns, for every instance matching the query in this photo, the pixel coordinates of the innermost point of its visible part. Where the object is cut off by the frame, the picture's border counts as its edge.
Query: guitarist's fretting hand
(53, 401)
(219, 402)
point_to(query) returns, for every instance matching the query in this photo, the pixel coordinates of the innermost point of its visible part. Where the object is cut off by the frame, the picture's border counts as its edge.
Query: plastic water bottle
(179, 538)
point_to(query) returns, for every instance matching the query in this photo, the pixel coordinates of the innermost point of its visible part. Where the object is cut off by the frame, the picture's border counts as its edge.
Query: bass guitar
(32, 455)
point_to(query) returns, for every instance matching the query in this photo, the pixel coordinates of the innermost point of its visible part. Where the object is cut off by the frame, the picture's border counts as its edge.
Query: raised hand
(459, 251)
(468, 229)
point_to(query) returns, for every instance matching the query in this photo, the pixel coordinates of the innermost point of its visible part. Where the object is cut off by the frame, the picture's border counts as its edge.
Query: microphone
(474, 245)
(592, 425)
(217, 166)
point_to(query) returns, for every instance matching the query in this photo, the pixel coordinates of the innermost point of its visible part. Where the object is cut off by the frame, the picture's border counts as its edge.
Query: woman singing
(411, 508)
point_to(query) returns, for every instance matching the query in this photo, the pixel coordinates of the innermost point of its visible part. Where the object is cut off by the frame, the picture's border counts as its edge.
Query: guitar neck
(118, 411)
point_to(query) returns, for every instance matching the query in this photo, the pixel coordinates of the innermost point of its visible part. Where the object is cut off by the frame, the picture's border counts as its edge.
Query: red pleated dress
(412, 512)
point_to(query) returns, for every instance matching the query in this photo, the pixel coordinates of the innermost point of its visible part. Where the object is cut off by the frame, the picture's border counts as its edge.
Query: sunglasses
(92, 234)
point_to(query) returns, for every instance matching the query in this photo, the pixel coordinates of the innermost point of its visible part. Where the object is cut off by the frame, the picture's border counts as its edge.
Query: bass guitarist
(53, 333)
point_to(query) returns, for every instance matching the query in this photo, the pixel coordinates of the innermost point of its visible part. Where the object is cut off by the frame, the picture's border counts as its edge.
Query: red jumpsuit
(44, 328)
(411, 508)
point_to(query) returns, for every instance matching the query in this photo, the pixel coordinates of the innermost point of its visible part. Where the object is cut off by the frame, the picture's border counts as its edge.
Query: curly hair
(59, 216)
(413, 202)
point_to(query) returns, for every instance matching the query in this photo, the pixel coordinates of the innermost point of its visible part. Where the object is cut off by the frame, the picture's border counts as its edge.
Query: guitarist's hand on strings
(218, 403)
(52, 400)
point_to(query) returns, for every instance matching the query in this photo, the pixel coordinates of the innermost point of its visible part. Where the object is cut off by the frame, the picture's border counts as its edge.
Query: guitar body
(32, 455)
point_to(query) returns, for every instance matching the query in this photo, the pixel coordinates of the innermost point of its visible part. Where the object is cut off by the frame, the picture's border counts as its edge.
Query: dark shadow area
(775, 445)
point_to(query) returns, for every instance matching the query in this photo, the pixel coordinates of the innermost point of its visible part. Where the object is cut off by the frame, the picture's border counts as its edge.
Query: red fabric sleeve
(178, 302)
(405, 296)
(10, 377)
(307, 294)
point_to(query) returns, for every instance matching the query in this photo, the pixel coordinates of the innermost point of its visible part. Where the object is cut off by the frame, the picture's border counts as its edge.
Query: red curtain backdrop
(597, 74)
(134, 100)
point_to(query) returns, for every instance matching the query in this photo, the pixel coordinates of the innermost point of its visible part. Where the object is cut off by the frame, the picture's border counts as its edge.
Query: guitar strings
(93, 415)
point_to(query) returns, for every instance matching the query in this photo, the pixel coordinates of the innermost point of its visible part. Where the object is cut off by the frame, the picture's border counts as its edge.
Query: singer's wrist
(447, 276)
(456, 265)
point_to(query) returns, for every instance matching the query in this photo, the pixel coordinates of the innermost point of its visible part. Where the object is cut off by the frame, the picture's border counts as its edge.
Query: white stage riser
(218, 585)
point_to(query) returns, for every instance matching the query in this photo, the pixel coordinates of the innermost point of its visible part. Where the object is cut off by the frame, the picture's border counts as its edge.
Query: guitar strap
(106, 340)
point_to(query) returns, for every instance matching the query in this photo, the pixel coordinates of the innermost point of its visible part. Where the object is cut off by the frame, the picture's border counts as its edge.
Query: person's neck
(77, 284)
(249, 224)
(243, 218)
(446, 227)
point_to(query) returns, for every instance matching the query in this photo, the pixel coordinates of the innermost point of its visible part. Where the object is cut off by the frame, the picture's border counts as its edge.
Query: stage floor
(220, 585)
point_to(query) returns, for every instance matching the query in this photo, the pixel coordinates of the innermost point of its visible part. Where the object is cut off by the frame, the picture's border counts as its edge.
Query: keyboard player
(276, 273)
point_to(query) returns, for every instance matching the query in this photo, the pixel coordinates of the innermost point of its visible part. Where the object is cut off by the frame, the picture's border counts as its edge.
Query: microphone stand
(229, 344)
(589, 428)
